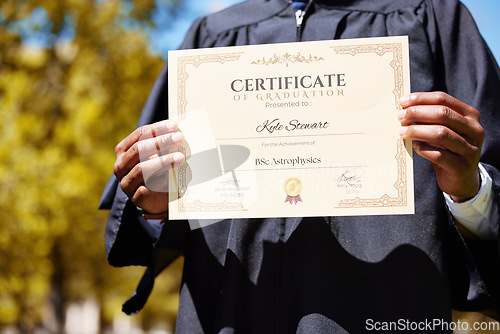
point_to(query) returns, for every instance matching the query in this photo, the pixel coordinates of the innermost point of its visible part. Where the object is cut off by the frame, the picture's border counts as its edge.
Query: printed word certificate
(291, 130)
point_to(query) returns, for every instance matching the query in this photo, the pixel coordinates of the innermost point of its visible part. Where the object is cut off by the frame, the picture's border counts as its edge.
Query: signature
(230, 182)
(351, 176)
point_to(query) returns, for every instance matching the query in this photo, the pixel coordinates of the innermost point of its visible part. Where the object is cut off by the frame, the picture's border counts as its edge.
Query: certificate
(291, 130)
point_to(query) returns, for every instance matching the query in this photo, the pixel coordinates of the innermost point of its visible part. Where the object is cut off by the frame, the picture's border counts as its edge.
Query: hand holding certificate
(284, 130)
(142, 162)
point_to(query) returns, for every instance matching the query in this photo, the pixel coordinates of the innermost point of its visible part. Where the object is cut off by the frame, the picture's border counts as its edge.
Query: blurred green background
(74, 75)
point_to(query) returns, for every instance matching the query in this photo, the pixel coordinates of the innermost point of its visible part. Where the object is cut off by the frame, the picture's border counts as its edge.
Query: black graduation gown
(331, 274)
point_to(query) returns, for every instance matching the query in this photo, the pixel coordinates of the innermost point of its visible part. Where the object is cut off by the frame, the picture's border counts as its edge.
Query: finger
(439, 115)
(146, 172)
(160, 145)
(441, 137)
(444, 160)
(156, 171)
(146, 132)
(438, 98)
(140, 196)
(143, 198)
(143, 149)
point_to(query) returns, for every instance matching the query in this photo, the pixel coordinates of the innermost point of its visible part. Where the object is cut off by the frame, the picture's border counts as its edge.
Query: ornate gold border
(400, 184)
(383, 201)
(182, 76)
(287, 59)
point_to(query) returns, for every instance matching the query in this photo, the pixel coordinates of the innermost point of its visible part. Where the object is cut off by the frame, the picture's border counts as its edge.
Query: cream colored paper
(299, 129)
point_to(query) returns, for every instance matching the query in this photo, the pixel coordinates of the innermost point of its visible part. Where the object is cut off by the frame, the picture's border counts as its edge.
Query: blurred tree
(64, 104)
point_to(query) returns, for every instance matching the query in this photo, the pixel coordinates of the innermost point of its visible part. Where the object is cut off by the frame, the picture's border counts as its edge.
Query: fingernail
(178, 158)
(402, 130)
(401, 114)
(178, 137)
(405, 100)
(170, 125)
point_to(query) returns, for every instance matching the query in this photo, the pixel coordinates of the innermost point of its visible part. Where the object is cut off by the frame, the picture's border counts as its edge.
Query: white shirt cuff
(479, 215)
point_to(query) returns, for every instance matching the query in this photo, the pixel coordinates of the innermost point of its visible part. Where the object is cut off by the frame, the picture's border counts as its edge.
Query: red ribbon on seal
(293, 199)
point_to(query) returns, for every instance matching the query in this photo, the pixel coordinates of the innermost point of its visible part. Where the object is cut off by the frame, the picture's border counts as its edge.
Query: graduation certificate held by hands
(291, 130)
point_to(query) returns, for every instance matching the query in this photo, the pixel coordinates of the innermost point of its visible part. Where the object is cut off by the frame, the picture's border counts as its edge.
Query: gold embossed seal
(293, 188)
